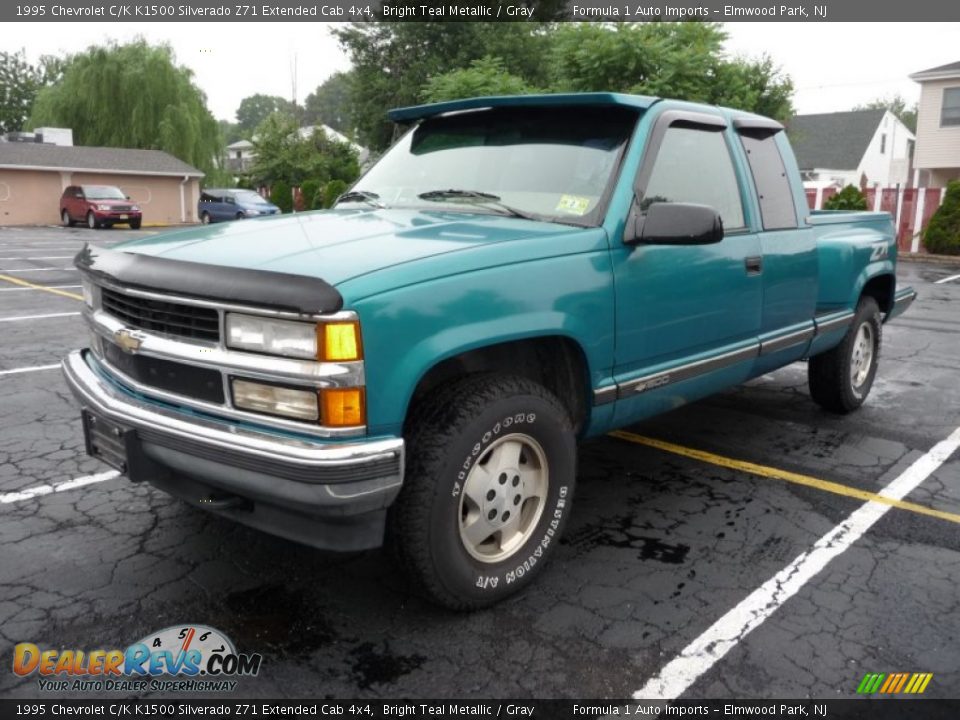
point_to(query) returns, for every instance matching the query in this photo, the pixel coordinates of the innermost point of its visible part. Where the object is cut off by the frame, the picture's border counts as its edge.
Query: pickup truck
(418, 363)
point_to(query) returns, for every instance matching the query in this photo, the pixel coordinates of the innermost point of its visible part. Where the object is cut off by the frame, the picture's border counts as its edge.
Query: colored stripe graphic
(870, 683)
(894, 683)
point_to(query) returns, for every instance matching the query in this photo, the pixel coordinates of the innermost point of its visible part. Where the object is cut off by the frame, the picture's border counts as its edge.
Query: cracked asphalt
(658, 547)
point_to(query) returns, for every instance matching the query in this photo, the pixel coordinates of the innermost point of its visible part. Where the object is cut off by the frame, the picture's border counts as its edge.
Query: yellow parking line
(777, 474)
(24, 283)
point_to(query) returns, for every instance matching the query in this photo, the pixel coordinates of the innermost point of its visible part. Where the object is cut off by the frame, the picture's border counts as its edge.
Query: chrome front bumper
(284, 485)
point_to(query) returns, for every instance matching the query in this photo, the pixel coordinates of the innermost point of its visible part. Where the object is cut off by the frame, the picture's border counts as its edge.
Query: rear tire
(65, 218)
(840, 379)
(487, 489)
(92, 221)
(205, 218)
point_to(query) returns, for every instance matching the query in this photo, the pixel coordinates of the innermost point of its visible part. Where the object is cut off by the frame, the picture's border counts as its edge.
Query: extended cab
(514, 274)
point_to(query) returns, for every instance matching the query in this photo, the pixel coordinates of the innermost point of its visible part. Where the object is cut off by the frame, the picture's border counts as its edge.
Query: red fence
(911, 209)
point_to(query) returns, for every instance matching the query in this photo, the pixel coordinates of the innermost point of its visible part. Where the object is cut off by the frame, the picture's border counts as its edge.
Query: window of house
(694, 166)
(883, 143)
(950, 112)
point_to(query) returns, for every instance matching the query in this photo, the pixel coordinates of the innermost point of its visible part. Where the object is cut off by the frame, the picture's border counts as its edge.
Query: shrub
(310, 189)
(281, 196)
(331, 191)
(850, 198)
(942, 235)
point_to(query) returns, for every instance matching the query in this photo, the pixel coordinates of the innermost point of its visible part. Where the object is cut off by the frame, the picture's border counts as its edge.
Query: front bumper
(331, 495)
(117, 216)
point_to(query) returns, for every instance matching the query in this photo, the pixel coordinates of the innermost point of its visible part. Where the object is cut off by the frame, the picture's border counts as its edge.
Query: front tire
(92, 221)
(205, 218)
(487, 490)
(135, 224)
(65, 219)
(840, 379)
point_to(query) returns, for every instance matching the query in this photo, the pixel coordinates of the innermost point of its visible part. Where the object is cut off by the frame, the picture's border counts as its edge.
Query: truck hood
(338, 245)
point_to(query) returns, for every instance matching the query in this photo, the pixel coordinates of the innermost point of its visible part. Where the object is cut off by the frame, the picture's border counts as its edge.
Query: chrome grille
(170, 318)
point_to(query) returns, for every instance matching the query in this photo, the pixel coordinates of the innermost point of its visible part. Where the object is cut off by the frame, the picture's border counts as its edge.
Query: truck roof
(418, 112)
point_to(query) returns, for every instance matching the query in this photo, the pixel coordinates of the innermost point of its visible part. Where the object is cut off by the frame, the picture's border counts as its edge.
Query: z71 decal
(878, 251)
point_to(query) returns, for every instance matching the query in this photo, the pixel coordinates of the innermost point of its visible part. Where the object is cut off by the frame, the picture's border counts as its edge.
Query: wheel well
(557, 363)
(881, 289)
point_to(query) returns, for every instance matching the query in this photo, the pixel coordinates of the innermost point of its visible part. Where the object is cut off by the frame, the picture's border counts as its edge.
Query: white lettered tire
(491, 467)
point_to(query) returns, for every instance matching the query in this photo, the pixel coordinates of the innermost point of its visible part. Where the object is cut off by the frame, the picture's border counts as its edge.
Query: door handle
(754, 265)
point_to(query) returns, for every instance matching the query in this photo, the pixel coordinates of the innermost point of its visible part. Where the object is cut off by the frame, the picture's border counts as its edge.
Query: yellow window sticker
(573, 204)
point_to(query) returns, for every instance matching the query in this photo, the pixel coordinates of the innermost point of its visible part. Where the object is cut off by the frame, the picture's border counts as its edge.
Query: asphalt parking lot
(668, 538)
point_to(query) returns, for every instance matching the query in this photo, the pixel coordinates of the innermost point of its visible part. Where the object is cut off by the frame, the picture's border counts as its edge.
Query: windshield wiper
(370, 198)
(475, 196)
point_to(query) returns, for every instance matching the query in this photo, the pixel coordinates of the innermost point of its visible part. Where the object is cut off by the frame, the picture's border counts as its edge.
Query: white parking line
(44, 269)
(679, 674)
(946, 279)
(45, 287)
(39, 490)
(42, 257)
(37, 317)
(35, 368)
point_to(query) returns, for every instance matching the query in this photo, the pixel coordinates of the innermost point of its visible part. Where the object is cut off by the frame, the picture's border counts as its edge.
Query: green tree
(487, 76)
(898, 106)
(133, 96)
(20, 82)
(328, 104)
(849, 198)
(282, 154)
(392, 62)
(676, 60)
(255, 109)
(943, 233)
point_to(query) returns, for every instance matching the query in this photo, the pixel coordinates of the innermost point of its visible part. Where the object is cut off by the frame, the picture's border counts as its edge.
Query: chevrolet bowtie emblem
(127, 340)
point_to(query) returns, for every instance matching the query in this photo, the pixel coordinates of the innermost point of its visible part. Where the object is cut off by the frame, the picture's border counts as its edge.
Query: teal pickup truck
(514, 274)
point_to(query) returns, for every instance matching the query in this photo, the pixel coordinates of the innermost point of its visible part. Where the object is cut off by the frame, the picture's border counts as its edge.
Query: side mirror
(674, 224)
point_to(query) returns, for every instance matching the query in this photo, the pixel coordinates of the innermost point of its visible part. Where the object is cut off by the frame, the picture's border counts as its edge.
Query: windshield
(548, 163)
(249, 197)
(102, 192)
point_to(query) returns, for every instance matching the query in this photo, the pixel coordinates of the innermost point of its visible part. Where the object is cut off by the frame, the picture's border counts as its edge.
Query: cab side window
(694, 166)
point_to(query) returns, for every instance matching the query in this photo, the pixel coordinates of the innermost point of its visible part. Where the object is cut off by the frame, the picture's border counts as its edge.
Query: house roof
(240, 145)
(941, 71)
(836, 141)
(124, 161)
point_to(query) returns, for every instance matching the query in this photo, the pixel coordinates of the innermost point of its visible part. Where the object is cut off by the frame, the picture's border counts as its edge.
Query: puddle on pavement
(373, 665)
(272, 619)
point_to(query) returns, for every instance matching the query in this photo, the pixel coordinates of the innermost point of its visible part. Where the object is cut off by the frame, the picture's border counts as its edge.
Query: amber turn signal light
(343, 407)
(339, 341)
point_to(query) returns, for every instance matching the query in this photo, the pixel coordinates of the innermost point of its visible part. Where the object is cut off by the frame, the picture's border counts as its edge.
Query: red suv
(98, 206)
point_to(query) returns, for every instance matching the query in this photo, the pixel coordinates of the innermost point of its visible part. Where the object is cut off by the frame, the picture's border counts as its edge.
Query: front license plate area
(117, 446)
(124, 217)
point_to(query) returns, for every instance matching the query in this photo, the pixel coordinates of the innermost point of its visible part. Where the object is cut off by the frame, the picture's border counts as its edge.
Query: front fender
(407, 331)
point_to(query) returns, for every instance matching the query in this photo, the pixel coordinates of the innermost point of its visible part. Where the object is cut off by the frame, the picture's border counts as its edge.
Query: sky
(834, 66)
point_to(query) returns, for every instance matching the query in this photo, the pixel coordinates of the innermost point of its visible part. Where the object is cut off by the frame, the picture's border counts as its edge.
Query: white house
(240, 156)
(860, 147)
(937, 160)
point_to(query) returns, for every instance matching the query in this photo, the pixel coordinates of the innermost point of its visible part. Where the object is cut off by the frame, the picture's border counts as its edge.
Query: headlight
(288, 402)
(103, 207)
(135, 208)
(252, 212)
(275, 337)
(335, 341)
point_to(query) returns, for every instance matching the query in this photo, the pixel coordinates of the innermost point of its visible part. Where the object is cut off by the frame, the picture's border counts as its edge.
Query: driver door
(687, 316)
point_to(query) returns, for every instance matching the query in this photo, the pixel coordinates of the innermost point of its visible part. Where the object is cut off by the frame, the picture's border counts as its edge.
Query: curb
(952, 260)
